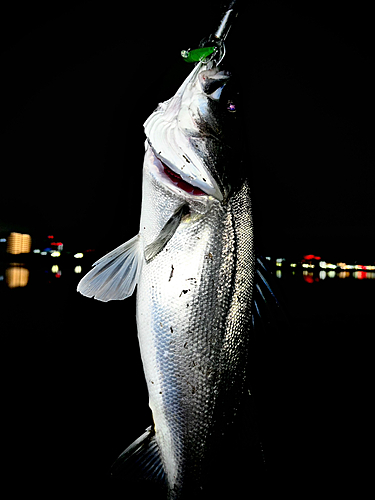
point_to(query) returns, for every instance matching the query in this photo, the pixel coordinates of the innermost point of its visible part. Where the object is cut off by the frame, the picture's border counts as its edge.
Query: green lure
(197, 54)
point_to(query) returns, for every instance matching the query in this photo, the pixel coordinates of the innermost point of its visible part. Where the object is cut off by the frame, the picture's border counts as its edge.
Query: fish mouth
(178, 181)
(189, 175)
(167, 171)
(173, 135)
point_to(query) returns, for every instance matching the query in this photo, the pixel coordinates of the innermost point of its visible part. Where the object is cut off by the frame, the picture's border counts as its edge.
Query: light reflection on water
(313, 269)
(18, 275)
(316, 275)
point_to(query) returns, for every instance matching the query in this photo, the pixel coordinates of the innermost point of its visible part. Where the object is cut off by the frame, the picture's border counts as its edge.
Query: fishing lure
(197, 55)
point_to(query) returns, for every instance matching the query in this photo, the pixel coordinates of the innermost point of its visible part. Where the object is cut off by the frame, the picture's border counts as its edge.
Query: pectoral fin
(152, 250)
(115, 275)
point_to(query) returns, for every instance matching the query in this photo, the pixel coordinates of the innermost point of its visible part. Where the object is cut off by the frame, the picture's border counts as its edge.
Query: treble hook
(225, 25)
(213, 47)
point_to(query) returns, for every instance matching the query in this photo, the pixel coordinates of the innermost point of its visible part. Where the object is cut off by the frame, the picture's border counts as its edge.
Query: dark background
(78, 81)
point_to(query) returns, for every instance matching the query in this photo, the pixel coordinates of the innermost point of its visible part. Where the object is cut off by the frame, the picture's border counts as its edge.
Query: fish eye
(231, 107)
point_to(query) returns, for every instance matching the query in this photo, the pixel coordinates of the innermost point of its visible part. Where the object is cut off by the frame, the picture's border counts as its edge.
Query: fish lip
(175, 183)
(206, 188)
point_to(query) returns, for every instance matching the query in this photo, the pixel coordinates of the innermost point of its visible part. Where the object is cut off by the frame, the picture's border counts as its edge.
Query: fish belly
(175, 299)
(188, 319)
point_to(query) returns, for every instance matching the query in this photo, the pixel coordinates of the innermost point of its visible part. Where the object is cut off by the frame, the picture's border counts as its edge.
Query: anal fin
(115, 275)
(141, 461)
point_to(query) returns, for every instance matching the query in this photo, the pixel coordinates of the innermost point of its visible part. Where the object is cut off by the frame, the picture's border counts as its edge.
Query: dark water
(73, 395)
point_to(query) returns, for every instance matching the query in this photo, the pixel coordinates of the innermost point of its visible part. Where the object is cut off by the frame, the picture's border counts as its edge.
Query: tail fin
(141, 461)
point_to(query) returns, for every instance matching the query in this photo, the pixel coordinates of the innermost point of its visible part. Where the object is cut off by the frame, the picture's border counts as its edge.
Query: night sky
(80, 79)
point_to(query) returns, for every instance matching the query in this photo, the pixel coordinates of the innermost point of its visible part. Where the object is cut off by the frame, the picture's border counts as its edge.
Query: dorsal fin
(268, 311)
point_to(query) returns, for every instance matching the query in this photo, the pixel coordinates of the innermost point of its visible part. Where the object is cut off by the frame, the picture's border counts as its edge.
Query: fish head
(197, 133)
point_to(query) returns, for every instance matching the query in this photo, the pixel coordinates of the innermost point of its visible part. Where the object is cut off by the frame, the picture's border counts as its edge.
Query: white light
(55, 269)
(293, 264)
(279, 273)
(36, 250)
(78, 255)
(78, 269)
(43, 253)
(323, 264)
(331, 274)
(55, 254)
(322, 275)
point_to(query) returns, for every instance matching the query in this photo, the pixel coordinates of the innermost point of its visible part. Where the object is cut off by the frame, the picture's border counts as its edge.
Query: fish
(194, 265)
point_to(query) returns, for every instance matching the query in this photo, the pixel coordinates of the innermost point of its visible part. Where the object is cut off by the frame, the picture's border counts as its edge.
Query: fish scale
(185, 336)
(193, 263)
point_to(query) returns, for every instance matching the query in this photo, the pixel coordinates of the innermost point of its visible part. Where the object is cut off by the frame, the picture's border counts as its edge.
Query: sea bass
(193, 263)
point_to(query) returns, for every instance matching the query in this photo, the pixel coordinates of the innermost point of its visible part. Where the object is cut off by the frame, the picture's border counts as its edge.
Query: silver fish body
(193, 307)
(193, 263)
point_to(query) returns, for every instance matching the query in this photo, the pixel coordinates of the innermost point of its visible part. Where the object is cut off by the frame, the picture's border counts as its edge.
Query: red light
(308, 279)
(310, 256)
(50, 237)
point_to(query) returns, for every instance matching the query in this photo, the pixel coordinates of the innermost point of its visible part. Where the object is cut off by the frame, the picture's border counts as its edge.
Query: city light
(16, 276)
(18, 243)
(313, 269)
(308, 267)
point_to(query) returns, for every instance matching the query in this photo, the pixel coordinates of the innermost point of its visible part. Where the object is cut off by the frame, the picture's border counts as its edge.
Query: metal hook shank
(226, 21)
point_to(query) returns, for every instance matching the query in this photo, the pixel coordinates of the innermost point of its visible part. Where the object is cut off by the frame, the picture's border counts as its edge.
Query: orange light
(18, 243)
